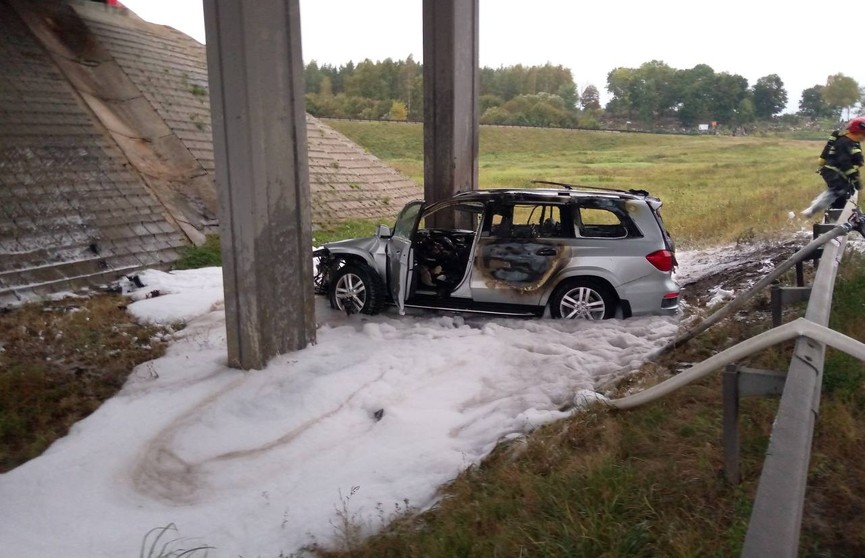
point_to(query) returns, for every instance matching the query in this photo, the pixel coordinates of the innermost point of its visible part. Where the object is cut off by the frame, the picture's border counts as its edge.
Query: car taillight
(662, 259)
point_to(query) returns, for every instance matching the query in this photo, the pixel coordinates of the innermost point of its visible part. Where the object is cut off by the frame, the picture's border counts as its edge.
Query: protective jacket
(841, 159)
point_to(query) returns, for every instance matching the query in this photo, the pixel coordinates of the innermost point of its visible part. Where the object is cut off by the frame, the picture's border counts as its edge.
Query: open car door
(399, 253)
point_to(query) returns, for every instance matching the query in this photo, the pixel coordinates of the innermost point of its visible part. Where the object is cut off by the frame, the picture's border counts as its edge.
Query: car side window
(500, 220)
(527, 221)
(596, 222)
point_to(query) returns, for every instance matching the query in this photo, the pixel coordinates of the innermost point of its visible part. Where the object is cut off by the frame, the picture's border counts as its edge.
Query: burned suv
(579, 252)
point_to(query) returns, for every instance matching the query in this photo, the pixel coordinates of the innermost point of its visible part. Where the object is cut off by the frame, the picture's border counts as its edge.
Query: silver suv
(581, 253)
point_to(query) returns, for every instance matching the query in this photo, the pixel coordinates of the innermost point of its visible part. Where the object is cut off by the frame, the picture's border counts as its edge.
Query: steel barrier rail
(724, 312)
(776, 517)
(740, 350)
(797, 329)
(802, 254)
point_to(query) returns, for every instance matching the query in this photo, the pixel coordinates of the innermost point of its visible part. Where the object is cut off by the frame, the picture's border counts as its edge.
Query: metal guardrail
(776, 517)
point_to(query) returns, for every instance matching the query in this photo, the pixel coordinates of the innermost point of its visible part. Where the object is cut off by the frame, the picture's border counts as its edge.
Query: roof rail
(572, 186)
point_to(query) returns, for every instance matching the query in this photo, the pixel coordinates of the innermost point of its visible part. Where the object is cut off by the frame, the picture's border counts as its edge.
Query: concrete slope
(106, 156)
(170, 70)
(73, 211)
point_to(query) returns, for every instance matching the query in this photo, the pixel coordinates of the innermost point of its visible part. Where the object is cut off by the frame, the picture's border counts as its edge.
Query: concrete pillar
(451, 88)
(255, 72)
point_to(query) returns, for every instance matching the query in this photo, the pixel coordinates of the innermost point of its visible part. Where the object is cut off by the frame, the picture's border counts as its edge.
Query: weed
(208, 254)
(747, 236)
(844, 376)
(152, 546)
(353, 228)
(198, 90)
(196, 119)
(349, 531)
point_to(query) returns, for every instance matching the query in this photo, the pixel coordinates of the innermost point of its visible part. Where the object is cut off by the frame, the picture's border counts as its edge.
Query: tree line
(548, 96)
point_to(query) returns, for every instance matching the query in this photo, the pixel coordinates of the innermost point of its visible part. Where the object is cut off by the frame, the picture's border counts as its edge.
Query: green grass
(716, 189)
(354, 228)
(206, 255)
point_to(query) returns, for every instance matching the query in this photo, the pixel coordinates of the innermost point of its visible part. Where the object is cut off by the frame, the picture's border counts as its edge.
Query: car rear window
(594, 222)
(603, 218)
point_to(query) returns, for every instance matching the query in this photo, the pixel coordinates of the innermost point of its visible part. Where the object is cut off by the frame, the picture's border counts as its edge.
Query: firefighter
(839, 167)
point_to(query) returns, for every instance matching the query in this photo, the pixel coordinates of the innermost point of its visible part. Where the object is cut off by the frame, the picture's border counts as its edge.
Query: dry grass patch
(58, 362)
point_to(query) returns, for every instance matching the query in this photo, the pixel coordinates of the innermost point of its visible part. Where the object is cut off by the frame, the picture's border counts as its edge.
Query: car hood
(367, 244)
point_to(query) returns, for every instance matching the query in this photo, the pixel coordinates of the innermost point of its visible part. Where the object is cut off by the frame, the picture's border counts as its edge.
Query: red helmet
(857, 125)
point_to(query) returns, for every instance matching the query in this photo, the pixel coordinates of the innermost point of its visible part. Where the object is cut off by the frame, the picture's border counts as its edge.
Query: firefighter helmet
(857, 125)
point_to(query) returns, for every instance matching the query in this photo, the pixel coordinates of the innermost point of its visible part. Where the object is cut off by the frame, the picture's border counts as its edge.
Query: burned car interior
(442, 256)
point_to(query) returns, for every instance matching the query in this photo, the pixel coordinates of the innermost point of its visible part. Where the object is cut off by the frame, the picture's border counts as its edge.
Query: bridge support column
(255, 72)
(451, 89)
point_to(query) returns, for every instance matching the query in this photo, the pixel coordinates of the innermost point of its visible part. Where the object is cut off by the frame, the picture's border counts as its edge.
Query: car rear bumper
(649, 296)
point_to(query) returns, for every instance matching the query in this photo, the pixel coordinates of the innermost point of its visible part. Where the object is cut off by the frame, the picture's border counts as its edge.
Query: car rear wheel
(582, 299)
(357, 288)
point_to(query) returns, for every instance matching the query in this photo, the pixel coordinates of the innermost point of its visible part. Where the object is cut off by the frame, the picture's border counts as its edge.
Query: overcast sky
(752, 39)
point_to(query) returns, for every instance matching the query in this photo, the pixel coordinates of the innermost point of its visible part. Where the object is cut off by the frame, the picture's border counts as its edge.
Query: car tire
(583, 298)
(357, 288)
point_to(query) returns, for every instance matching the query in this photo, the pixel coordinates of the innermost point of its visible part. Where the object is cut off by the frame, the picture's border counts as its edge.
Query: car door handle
(546, 252)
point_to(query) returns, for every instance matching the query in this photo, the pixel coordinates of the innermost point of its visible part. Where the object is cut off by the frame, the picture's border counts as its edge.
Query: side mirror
(382, 231)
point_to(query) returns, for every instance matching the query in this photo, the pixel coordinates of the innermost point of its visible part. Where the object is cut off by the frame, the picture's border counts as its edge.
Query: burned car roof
(547, 194)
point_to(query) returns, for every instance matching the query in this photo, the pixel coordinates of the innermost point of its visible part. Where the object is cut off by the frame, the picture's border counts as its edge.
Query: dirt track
(721, 273)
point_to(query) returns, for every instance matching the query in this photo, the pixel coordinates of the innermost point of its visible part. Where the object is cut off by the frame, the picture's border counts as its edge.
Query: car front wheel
(357, 288)
(582, 299)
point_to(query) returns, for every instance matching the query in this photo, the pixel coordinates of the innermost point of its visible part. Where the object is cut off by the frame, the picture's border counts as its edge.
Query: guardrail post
(781, 296)
(731, 423)
(817, 230)
(776, 305)
(739, 382)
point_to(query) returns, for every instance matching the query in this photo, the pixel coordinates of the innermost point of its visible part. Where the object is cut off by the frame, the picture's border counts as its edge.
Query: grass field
(716, 189)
